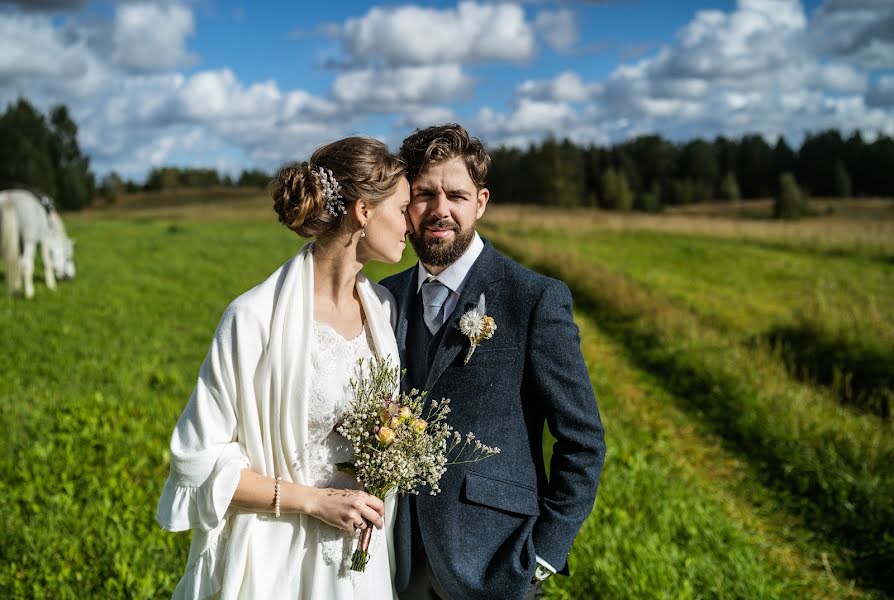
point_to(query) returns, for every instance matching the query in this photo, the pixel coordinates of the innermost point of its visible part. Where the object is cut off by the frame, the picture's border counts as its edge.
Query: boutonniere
(477, 326)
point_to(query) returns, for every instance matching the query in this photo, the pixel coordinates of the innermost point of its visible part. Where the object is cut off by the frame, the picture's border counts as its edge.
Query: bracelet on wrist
(276, 487)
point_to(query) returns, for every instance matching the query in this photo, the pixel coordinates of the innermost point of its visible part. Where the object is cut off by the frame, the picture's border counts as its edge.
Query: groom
(501, 526)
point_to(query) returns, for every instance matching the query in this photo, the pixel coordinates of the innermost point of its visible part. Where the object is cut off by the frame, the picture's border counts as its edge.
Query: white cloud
(217, 95)
(691, 88)
(838, 77)
(755, 38)
(43, 60)
(134, 110)
(530, 120)
(547, 117)
(860, 31)
(30, 46)
(412, 35)
(400, 88)
(881, 94)
(149, 37)
(558, 28)
(424, 117)
(750, 70)
(210, 109)
(567, 86)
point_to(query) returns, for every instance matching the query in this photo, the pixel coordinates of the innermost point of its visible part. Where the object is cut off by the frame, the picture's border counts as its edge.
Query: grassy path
(679, 515)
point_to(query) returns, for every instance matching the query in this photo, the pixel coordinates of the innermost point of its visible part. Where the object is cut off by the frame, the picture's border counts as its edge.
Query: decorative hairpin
(331, 191)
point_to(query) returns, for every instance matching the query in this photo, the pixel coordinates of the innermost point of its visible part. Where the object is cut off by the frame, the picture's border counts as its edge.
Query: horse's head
(62, 257)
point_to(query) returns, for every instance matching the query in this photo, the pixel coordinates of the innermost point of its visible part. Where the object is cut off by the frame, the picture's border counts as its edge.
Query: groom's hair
(434, 145)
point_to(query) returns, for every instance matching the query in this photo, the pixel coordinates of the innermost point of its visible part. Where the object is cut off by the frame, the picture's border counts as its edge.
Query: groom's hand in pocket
(347, 509)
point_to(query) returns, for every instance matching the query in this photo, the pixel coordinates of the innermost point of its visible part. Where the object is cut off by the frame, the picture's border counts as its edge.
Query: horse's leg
(28, 267)
(48, 273)
(10, 246)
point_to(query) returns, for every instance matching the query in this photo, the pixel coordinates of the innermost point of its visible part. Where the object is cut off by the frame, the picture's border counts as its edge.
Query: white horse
(26, 222)
(61, 248)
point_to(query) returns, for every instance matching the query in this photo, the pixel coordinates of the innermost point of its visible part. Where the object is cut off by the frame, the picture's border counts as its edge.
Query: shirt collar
(454, 275)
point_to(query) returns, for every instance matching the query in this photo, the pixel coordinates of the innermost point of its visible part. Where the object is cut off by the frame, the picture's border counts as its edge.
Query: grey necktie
(434, 293)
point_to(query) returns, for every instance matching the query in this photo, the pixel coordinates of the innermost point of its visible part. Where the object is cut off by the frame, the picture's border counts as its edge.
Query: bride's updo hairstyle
(361, 166)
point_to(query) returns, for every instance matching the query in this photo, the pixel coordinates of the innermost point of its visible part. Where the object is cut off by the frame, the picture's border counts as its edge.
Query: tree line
(649, 172)
(161, 179)
(646, 173)
(165, 178)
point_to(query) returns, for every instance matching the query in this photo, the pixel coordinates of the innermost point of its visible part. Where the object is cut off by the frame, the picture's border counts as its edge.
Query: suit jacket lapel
(484, 273)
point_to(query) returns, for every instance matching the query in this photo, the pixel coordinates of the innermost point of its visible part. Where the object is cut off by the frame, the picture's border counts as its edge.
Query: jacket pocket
(502, 495)
(485, 348)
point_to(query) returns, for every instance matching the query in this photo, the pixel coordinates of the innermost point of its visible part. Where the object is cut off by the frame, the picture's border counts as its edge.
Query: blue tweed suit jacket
(481, 533)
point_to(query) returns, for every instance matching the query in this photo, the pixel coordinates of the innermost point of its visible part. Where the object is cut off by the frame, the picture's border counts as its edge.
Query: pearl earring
(363, 230)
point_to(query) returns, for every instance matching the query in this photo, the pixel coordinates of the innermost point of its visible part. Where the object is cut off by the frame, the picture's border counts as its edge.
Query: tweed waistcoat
(421, 346)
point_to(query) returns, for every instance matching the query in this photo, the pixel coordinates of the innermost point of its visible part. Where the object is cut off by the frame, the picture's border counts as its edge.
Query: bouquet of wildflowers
(396, 446)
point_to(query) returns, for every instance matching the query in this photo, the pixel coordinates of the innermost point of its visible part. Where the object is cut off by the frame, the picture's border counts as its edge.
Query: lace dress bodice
(334, 360)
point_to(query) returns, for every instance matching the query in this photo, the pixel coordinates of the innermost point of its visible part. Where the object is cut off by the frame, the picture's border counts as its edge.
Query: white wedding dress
(334, 363)
(269, 395)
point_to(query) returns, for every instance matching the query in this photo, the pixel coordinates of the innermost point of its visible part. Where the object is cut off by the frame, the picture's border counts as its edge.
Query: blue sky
(235, 85)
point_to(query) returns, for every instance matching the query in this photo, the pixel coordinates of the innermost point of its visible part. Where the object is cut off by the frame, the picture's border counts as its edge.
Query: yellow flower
(488, 327)
(405, 413)
(419, 425)
(393, 423)
(385, 435)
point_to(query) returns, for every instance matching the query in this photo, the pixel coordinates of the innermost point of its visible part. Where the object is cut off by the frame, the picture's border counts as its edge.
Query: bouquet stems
(361, 555)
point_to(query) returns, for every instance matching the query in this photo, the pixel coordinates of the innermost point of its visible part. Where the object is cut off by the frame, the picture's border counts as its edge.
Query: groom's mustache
(444, 223)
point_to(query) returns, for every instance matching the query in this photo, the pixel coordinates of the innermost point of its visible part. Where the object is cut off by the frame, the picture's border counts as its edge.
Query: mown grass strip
(829, 319)
(677, 515)
(837, 464)
(866, 232)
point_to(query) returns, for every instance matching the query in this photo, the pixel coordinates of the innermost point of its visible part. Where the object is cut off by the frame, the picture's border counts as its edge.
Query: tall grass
(672, 519)
(838, 465)
(840, 352)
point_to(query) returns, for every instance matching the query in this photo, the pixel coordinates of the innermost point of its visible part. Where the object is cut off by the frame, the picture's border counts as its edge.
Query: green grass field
(729, 474)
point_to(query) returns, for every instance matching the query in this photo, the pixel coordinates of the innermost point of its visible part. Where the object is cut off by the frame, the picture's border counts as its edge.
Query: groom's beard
(438, 252)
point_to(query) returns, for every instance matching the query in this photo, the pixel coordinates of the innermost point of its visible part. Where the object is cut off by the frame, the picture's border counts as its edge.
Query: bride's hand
(347, 509)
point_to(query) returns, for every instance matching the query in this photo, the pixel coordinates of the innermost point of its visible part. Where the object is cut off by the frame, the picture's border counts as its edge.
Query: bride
(252, 454)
